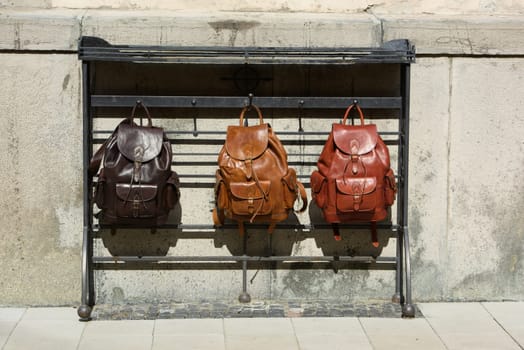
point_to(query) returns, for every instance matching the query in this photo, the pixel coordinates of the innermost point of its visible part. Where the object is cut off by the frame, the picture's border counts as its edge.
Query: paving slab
(189, 342)
(466, 326)
(122, 334)
(195, 334)
(259, 333)
(198, 327)
(11, 314)
(46, 328)
(9, 317)
(510, 316)
(330, 333)
(401, 334)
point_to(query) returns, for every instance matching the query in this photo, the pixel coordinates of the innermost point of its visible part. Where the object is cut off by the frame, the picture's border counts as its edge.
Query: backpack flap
(355, 139)
(246, 142)
(139, 143)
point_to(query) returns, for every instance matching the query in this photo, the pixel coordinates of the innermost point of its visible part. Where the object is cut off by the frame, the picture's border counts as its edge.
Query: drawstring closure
(257, 182)
(139, 195)
(357, 187)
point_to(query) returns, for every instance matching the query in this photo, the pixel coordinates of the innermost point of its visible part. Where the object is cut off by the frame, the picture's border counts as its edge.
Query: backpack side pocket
(289, 182)
(390, 188)
(99, 192)
(173, 190)
(319, 189)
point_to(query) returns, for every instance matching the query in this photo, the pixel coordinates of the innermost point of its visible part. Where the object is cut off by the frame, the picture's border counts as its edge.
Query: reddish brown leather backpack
(254, 182)
(136, 186)
(354, 182)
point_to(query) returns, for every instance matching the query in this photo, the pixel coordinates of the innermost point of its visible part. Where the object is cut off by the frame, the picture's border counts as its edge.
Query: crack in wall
(369, 10)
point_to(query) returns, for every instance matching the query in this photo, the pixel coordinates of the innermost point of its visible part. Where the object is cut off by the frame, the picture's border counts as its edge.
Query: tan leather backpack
(136, 186)
(254, 182)
(354, 182)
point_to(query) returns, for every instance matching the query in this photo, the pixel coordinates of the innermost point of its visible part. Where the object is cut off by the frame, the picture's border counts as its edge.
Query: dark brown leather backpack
(254, 182)
(354, 182)
(136, 186)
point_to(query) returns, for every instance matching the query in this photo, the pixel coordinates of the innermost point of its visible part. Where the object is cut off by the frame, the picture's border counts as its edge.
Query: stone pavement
(274, 308)
(487, 325)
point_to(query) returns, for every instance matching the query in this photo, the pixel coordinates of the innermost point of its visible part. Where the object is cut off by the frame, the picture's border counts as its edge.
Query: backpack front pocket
(356, 194)
(136, 201)
(249, 198)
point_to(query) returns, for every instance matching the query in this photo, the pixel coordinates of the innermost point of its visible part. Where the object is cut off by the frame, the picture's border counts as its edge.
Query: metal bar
(279, 226)
(400, 267)
(94, 44)
(241, 101)
(391, 52)
(223, 133)
(397, 51)
(408, 309)
(214, 163)
(218, 142)
(405, 132)
(87, 297)
(243, 258)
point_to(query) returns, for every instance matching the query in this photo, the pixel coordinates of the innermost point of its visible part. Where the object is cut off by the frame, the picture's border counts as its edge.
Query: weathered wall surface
(327, 6)
(466, 155)
(41, 201)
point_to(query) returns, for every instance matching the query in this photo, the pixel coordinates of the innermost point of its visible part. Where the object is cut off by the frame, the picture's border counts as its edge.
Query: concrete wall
(466, 156)
(508, 7)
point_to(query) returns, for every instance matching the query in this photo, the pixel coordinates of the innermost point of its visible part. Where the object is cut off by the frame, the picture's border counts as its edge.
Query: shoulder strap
(94, 164)
(303, 196)
(361, 115)
(247, 108)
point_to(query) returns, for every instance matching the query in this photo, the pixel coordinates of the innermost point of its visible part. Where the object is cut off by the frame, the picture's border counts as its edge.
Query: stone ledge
(40, 29)
(59, 29)
(264, 309)
(462, 35)
(232, 28)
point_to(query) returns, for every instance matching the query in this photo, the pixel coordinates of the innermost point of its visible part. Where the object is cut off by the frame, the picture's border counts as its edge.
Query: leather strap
(94, 164)
(140, 104)
(303, 196)
(218, 217)
(248, 108)
(374, 235)
(359, 112)
(241, 228)
(336, 232)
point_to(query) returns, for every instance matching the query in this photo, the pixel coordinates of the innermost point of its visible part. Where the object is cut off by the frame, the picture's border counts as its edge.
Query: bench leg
(84, 310)
(244, 296)
(408, 310)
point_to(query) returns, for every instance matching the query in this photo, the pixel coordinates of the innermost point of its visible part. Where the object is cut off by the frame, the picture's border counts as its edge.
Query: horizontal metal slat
(236, 258)
(241, 101)
(96, 49)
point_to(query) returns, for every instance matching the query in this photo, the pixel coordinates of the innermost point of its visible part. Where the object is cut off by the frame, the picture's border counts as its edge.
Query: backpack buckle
(136, 205)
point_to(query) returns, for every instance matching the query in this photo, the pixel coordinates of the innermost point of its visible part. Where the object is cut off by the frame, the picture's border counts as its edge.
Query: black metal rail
(238, 101)
(96, 49)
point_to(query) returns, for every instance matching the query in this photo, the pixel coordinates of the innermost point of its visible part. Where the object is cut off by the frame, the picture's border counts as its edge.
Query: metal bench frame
(397, 52)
